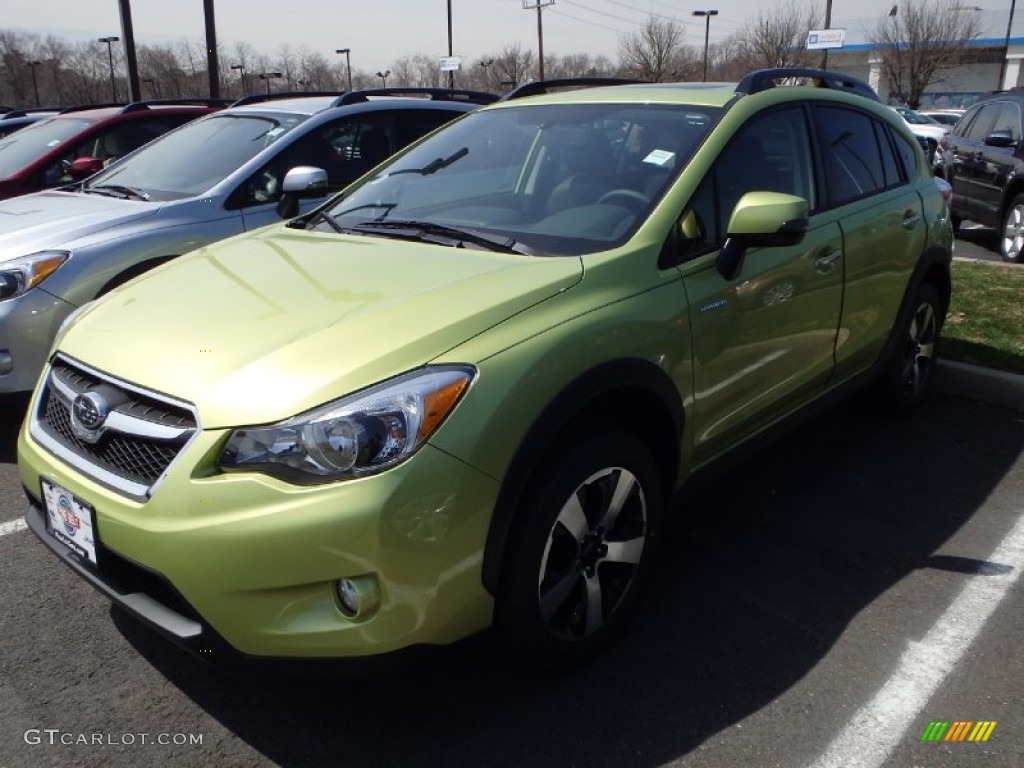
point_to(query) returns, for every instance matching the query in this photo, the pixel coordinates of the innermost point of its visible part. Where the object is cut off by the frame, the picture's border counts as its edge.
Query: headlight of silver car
(19, 276)
(358, 435)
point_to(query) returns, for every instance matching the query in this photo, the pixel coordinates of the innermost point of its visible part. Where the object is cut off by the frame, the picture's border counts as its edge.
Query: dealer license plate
(70, 520)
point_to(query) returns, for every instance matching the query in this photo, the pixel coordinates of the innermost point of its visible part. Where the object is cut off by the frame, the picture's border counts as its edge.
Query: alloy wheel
(1013, 233)
(592, 554)
(919, 356)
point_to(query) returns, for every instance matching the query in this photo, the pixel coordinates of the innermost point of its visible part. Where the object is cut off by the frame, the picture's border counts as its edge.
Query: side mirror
(765, 220)
(300, 182)
(84, 167)
(1001, 138)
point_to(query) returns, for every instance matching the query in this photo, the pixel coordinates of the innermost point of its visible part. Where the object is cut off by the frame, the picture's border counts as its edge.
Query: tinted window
(854, 165)
(965, 123)
(890, 165)
(772, 153)
(1008, 120)
(983, 122)
(910, 154)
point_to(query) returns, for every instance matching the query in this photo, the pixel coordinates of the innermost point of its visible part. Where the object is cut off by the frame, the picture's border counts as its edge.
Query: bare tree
(513, 66)
(653, 52)
(777, 37)
(918, 40)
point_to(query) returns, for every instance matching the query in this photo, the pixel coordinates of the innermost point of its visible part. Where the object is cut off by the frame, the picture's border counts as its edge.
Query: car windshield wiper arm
(435, 165)
(113, 190)
(417, 229)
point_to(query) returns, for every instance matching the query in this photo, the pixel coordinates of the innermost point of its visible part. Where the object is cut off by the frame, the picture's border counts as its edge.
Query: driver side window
(770, 153)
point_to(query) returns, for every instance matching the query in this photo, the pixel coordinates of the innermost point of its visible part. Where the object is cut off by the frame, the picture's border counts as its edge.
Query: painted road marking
(12, 527)
(881, 725)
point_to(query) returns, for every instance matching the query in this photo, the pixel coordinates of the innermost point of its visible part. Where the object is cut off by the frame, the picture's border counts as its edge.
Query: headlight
(21, 275)
(358, 435)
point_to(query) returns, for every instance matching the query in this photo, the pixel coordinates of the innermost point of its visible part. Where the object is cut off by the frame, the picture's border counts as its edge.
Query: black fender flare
(638, 376)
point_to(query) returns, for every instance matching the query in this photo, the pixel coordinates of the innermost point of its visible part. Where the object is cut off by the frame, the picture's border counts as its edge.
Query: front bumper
(246, 563)
(28, 325)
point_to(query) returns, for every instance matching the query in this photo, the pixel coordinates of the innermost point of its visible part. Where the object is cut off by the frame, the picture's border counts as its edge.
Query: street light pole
(348, 64)
(35, 84)
(384, 76)
(241, 76)
(451, 72)
(1006, 51)
(268, 76)
(707, 31)
(110, 56)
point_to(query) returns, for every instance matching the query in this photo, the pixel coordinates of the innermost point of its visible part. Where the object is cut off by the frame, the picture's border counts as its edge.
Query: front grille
(142, 434)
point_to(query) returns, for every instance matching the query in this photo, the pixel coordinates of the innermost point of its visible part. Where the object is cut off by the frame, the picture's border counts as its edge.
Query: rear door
(869, 171)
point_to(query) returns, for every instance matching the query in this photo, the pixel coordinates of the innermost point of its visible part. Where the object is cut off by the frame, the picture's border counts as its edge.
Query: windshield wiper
(435, 165)
(429, 232)
(117, 190)
(327, 219)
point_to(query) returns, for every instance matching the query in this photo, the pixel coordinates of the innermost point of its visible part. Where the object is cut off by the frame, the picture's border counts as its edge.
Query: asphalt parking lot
(821, 604)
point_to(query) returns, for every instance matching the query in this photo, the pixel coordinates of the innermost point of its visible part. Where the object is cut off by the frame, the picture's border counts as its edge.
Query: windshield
(33, 141)
(916, 118)
(196, 157)
(546, 179)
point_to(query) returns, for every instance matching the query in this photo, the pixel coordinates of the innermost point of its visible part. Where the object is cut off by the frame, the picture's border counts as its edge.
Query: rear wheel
(908, 374)
(1011, 244)
(581, 551)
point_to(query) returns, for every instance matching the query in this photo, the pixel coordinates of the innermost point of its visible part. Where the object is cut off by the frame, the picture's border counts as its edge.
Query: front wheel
(583, 544)
(1011, 244)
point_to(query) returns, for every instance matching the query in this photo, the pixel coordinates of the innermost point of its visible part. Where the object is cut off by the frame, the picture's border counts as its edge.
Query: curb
(977, 383)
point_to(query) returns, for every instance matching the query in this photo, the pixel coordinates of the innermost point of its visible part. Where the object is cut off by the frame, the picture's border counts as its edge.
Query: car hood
(52, 219)
(929, 131)
(259, 327)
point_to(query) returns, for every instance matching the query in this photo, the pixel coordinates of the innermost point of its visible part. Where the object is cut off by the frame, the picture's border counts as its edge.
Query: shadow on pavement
(757, 583)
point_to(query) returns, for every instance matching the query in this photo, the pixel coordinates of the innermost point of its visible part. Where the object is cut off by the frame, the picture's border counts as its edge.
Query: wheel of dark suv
(1011, 244)
(908, 374)
(584, 544)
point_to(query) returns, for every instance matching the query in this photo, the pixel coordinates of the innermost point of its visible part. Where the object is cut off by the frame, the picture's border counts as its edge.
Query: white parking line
(878, 727)
(12, 527)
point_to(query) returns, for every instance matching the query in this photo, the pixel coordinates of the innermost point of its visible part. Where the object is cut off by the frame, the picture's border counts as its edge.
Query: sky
(380, 31)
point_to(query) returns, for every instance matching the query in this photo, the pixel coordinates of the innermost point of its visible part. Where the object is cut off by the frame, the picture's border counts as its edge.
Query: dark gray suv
(983, 158)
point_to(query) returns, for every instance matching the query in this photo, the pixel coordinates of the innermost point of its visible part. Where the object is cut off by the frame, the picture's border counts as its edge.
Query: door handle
(910, 220)
(825, 263)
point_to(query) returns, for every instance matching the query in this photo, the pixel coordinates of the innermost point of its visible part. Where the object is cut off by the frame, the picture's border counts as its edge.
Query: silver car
(215, 177)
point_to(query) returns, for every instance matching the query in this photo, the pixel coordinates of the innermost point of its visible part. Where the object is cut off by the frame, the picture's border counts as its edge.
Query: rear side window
(910, 154)
(856, 155)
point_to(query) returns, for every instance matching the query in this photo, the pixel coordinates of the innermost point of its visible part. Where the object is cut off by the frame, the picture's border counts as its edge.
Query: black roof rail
(137, 106)
(258, 98)
(763, 79)
(547, 86)
(433, 94)
(12, 113)
(5, 108)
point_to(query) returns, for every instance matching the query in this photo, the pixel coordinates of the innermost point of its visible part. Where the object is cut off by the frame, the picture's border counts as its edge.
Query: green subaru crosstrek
(464, 391)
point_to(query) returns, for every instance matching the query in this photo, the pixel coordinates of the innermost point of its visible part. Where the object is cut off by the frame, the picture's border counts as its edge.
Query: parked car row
(464, 391)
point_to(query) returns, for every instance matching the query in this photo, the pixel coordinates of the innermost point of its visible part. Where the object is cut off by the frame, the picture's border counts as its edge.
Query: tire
(578, 557)
(907, 376)
(1011, 241)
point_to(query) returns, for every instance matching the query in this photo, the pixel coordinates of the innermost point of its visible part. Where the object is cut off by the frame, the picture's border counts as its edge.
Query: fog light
(358, 596)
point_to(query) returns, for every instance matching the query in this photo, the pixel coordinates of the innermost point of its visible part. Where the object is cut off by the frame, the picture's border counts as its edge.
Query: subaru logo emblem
(88, 412)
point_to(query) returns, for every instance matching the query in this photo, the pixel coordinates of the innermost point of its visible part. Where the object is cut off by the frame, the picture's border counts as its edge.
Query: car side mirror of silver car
(301, 182)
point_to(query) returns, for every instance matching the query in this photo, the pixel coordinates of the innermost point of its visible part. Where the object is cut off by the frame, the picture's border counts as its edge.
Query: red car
(77, 142)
